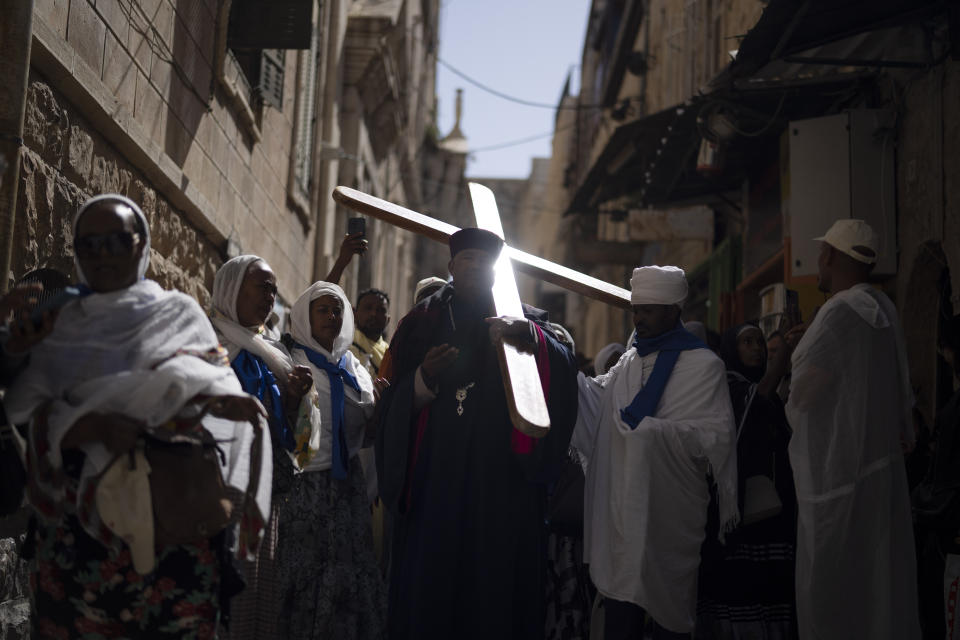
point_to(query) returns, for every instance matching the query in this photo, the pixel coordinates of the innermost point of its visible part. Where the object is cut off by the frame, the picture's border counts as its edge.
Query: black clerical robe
(466, 490)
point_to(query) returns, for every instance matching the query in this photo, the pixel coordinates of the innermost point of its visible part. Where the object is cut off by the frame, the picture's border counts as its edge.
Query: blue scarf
(669, 344)
(338, 375)
(257, 380)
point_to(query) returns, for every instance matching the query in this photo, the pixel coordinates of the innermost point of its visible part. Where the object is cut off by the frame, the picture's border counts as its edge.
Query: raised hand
(353, 244)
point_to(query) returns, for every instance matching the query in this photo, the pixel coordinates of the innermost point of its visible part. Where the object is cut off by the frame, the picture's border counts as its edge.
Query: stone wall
(144, 73)
(65, 161)
(928, 209)
(14, 586)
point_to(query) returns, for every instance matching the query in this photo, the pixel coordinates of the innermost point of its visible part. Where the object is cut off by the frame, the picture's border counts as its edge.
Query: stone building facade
(231, 147)
(640, 59)
(230, 122)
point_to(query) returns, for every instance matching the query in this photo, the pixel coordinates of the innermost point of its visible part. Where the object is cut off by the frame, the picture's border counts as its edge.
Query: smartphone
(356, 225)
(792, 310)
(53, 303)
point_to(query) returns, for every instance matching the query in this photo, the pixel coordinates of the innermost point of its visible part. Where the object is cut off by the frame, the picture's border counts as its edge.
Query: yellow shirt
(369, 352)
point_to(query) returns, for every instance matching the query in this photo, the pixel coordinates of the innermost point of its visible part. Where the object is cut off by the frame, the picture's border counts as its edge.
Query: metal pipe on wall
(16, 33)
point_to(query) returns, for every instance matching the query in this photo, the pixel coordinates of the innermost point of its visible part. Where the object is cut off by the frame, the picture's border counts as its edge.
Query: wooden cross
(521, 380)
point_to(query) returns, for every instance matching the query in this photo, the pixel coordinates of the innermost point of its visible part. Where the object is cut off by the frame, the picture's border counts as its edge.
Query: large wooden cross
(521, 380)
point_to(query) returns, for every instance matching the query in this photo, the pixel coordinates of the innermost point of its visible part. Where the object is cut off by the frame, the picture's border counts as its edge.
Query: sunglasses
(118, 243)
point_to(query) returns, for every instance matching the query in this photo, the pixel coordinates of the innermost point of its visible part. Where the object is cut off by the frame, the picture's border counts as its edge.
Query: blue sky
(523, 48)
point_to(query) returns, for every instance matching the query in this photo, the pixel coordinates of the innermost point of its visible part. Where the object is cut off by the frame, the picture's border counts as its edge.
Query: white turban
(600, 362)
(658, 285)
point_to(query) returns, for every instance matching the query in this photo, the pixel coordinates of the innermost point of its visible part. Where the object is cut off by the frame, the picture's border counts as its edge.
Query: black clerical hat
(475, 239)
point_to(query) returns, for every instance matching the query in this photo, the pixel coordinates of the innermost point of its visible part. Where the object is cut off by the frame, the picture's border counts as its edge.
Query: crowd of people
(198, 475)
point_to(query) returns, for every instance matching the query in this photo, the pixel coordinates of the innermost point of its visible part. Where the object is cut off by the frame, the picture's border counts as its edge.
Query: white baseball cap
(854, 238)
(427, 283)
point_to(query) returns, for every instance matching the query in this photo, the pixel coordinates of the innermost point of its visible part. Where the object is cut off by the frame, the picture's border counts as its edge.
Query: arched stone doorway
(926, 312)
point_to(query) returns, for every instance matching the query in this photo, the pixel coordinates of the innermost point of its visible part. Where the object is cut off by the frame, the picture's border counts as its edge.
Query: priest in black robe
(467, 491)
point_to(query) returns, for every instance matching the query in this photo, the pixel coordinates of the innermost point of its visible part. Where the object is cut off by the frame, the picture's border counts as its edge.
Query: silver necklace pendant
(461, 396)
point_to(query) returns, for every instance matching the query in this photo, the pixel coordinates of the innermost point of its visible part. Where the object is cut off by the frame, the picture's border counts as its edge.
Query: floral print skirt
(82, 589)
(331, 586)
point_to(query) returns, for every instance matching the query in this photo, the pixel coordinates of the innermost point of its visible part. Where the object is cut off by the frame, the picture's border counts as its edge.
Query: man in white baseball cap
(848, 254)
(849, 408)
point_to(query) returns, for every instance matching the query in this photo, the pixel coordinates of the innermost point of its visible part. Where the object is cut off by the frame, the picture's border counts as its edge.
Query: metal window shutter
(306, 117)
(270, 86)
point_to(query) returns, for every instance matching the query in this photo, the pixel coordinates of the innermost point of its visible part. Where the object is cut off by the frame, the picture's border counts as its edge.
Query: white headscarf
(234, 336)
(143, 228)
(658, 285)
(300, 317)
(600, 362)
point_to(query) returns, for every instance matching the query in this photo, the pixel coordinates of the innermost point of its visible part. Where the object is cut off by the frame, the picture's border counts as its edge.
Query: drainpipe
(325, 237)
(16, 34)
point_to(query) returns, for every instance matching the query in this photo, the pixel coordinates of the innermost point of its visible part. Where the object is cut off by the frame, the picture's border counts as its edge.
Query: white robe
(849, 409)
(646, 498)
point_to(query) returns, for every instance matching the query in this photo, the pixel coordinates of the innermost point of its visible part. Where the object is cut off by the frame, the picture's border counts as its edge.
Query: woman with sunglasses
(244, 291)
(124, 360)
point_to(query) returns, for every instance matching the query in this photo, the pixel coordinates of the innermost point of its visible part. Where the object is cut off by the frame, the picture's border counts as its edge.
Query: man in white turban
(849, 407)
(656, 429)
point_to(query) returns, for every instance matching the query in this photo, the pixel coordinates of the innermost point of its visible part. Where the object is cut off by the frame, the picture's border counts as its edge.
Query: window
(254, 37)
(261, 75)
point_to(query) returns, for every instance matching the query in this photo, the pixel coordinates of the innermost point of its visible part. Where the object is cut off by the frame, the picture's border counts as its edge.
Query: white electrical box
(841, 166)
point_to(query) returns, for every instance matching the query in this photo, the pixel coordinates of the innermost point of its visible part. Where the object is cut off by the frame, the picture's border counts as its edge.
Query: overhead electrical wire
(519, 141)
(505, 96)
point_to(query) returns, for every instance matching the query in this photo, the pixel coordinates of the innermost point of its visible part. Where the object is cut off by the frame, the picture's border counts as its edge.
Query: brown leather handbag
(190, 500)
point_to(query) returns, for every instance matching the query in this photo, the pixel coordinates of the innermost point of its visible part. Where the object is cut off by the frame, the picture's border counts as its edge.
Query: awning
(653, 160)
(636, 155)
(788, 27)
(799, 61)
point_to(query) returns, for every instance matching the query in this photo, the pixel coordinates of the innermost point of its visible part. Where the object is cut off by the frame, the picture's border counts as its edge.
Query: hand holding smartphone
(356, 225)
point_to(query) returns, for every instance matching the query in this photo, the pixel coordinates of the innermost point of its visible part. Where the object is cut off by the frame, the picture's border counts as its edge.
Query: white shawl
(101, 357)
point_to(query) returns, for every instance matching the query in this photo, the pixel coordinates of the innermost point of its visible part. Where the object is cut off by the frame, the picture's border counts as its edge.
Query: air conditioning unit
(841, 166)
